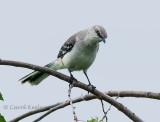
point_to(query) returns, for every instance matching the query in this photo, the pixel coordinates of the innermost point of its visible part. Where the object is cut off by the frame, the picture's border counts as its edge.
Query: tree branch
(71, 103)
(57, 106)
(105, 113)
(79, 84)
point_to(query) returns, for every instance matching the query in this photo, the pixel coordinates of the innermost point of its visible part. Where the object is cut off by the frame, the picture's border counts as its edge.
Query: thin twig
(71, 103)
(49, 112)
(105, 116)
(79, 84)
(105, 113)
(136, 94)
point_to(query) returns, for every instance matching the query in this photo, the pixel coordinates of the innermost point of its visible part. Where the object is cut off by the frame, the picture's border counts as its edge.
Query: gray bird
(77, 53)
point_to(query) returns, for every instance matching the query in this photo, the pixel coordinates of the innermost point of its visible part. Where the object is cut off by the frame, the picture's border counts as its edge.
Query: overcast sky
(33, 32)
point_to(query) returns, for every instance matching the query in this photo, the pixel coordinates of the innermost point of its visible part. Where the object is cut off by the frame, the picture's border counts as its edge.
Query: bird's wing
(67, 46)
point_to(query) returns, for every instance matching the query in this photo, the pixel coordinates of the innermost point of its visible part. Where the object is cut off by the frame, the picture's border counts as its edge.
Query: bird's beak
(103, 39)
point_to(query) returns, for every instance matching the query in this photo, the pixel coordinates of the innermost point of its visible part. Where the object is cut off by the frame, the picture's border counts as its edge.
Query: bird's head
(97, 33)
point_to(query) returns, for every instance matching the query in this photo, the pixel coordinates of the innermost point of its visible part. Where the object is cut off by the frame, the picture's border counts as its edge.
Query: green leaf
(2, 118)
(93, 120)
(1, 98)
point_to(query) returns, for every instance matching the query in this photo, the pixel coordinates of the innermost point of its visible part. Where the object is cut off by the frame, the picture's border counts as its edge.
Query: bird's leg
(71, 77)
(93, 87)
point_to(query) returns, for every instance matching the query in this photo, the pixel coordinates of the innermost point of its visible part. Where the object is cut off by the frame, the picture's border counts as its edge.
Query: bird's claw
(93, 87)
(71, 80)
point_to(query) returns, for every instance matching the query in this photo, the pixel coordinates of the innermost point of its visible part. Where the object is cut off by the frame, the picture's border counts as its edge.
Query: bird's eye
(97, 31)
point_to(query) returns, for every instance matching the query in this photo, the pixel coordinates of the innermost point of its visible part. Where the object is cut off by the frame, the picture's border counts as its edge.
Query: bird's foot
(93, 87)
(71, 80)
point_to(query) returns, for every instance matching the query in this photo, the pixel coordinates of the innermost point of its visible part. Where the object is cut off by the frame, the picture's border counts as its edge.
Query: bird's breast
(80, 57)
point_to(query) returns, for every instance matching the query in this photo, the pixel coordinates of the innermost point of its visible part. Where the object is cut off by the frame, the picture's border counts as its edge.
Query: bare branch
(105, 113)
(71, 103)
(79, 84)
(141, 94)
(137, 94)
(36, 111)
(47, 113)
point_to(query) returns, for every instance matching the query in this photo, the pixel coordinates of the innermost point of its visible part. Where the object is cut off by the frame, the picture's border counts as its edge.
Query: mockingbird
(77, 53)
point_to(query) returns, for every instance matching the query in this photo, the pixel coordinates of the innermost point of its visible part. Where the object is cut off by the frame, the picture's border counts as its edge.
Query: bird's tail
(36, 77)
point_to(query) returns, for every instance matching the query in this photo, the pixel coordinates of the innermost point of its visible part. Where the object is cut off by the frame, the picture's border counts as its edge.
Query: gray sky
(33, 32)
